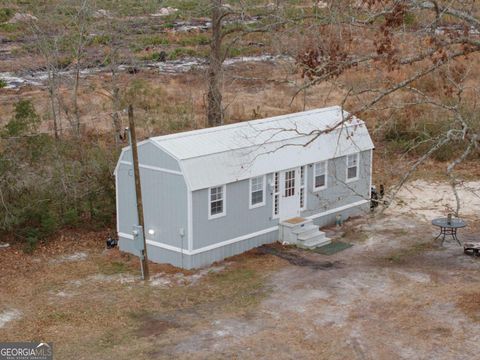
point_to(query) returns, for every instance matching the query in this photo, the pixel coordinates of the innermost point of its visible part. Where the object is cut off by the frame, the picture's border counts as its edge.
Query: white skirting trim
(155, 243)
(234, 240)
(340, 208)
(240, 238)
(205, 248)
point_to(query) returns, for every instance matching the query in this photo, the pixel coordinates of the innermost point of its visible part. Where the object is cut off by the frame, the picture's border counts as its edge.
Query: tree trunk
(116, 118)
(214, 95)
(76, 111)
(51, 92)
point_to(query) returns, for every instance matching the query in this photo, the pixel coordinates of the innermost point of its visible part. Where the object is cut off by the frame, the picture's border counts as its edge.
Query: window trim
(315, 175)
(264, 183)
(224, 199)
(347, 180)
(274, 194)
(303, 186)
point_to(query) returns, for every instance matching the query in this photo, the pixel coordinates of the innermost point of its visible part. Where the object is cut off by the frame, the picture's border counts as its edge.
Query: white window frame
(275, 193)
(224, 199)
(254, 206)
(347, 180)
(303, 187)
(315, 175)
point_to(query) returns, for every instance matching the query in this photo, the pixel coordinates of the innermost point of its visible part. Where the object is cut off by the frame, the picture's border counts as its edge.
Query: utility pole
(138, 192)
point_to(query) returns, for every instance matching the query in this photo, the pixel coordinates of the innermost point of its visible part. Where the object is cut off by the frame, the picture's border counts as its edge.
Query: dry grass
(100, 299)
(469, 302)
(96, 305)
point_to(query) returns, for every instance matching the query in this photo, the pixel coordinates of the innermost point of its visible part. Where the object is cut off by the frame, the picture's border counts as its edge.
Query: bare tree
(222, 41)
(80, 21)
(214, 95)
(402, 46)
(47, 45)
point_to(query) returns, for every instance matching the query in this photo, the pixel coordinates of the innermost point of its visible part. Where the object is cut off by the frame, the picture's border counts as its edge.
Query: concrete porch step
(306, 229)
(315, 242)
(310, 235)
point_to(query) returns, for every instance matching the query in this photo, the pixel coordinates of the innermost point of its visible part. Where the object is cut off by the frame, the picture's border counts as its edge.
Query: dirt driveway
(393, 295)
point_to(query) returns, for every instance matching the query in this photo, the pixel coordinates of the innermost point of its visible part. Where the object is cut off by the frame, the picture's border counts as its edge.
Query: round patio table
(448, 228)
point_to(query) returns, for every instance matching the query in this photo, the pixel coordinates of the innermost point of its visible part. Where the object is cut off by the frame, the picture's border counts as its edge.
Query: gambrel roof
(224, 154)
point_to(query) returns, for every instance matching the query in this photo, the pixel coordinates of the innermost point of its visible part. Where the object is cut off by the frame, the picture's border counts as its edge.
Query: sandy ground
(427, 200)
(394, 295)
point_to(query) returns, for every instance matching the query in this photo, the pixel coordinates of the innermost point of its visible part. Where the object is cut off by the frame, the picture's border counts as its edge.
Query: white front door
(289, 194)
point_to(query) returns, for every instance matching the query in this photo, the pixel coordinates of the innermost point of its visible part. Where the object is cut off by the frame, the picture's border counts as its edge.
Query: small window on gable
(352, 167)
(216, 201)
(257, 191)
(320, 175)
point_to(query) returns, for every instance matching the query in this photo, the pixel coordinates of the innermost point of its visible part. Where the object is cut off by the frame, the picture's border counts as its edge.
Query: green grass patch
(102, 39)
(10, 28)
(181, 52)
(5, 14)
(153, 40)
(3, 83)
(332, 248)
(195, 39)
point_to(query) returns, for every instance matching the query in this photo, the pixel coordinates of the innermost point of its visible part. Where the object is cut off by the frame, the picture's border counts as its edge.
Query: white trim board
(149, 167)
(205, 248)
(340, 208)
(155, 243)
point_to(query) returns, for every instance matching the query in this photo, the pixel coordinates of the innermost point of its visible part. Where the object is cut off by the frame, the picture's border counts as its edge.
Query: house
(212, 193)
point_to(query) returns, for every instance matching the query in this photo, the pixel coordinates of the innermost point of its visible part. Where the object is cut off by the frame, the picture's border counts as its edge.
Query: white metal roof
(229, 153)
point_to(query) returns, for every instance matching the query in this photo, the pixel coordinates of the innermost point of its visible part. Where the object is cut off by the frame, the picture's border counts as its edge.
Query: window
(257, 191)
(289, 183)
(217, 202)
(352, 167)
(320, 175)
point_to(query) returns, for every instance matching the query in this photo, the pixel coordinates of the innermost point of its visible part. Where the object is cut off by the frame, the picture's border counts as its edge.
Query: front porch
(302, 232)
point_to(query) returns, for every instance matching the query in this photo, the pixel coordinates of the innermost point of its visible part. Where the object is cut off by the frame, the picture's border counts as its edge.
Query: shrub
(48, 183)
(25, 120)
(3, 83)
(5, 14)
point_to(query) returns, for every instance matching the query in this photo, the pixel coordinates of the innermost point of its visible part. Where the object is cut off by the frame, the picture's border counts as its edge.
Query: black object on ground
(472, 248)
(373, 198)
(111, 243)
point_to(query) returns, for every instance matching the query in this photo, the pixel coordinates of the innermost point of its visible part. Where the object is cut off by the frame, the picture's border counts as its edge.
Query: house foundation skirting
(188, 259)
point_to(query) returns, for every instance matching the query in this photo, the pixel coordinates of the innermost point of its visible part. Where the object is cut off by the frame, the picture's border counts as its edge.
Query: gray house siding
(164, 198)
(239, 219)
(151, 155)
(159, 255)
(220, 253)
(338, 193)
